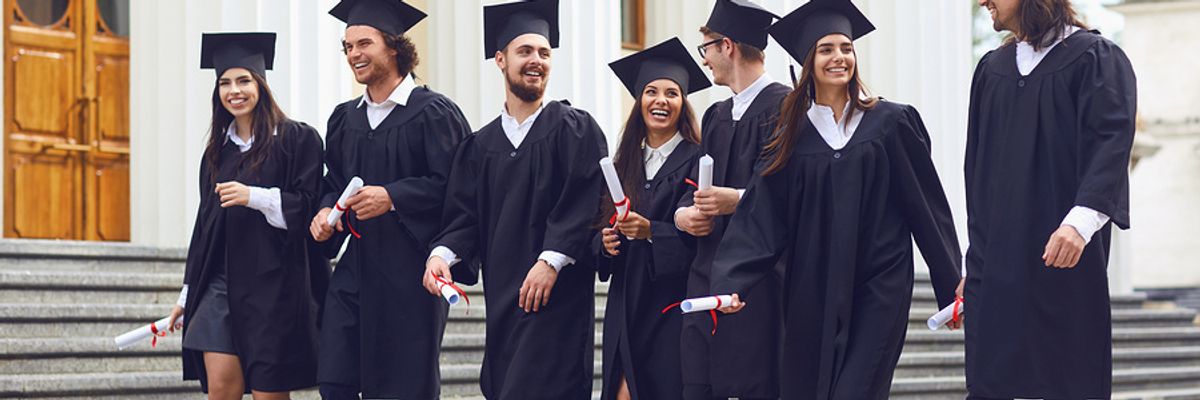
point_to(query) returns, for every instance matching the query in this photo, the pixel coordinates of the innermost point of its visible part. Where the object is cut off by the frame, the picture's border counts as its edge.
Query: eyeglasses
(701, 48)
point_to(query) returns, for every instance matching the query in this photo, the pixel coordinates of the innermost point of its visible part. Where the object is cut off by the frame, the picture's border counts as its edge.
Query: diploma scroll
(705, 303)
(152, 331)
(706, 172)
(356, 183)
(945, 315)
(614, 189)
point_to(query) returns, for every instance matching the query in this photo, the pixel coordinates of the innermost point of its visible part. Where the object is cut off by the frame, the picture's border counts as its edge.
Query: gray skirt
(211, 329)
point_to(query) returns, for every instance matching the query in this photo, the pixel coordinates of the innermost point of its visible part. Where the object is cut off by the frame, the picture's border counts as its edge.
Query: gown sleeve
(917, 190)
(569, 221)
(298, 194)
(757, 234)
(1107, 109)
(460, 215)
(444, 126)
(332, 184)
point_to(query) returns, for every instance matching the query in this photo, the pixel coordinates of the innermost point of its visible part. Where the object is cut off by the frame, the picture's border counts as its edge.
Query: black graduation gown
(382, 331)
(504, 207)
(742, 359)
(843, 222)
(641, 343)
(272, 308)
(1036, 147)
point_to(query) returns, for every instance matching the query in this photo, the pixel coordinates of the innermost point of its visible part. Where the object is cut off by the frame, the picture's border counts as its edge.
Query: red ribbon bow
(617, 213)
(712, 312)
(346, 216)
(956, 316)
(155, 334)
(444, 282)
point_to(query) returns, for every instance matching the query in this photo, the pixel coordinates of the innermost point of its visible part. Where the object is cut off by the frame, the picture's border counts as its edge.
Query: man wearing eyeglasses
(741, 358)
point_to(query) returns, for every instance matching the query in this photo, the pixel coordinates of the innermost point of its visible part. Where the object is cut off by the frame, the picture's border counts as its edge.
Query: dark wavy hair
(407, 58)
(1040, 22)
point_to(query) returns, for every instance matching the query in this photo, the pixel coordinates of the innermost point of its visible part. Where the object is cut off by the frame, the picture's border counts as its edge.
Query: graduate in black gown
(1050, 131)
(741, 359)
(249, 314)
(645, 257)
(521, 202)
(381, 334)
(848, 184)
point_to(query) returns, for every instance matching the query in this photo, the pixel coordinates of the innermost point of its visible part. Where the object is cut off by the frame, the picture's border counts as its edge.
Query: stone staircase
(61, 303)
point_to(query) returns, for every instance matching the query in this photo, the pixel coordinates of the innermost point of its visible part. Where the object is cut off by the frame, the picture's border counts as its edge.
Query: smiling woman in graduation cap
(249, 313)
(848, 184)
(644, 254)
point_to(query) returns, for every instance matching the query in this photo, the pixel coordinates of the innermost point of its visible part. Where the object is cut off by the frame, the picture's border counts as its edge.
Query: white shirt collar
(836, 133)
(243, 146)
(742, 100)
(515, 131)
(1028, 58)
(664, 150)
(399, 95)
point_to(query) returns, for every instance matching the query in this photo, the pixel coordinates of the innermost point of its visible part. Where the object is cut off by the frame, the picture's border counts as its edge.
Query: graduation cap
(800, 30)
(390, 16)
(741, 20)
(504, 22)
(254, 51)
(666, 60)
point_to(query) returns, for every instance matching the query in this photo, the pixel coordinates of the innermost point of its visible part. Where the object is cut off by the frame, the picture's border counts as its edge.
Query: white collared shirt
(742, 100)
(1028, 58)
(836, 133)
(656, 157)
(377, 112)
(516, 131)
(1085, 220)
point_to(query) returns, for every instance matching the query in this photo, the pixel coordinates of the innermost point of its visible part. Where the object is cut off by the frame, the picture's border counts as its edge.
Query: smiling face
(525, 63)
(718, 57)
(662, 103)
(833, 61)
(238, 91)
(1003, 13)
(368, 54)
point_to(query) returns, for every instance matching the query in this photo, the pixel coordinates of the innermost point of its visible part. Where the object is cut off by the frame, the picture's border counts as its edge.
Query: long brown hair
(629, 160)
(793, 112)
(266, 118)
(1040, 22)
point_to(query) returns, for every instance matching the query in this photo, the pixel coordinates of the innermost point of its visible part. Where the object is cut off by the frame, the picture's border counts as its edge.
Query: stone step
(1126, 317)
(62, 255)
(1124, 381)
(923, 340)
(928, 364)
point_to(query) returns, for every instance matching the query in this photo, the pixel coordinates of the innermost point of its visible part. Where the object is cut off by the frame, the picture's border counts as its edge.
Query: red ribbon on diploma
(955, 317)
(689, 181)
(346, 215)
(155, 334)
(617, 212)
(712, 313)
(452, 286)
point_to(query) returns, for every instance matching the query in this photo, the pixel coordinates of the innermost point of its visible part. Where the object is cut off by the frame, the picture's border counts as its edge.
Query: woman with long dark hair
(249, 313)
(848, 183)
(642, 253)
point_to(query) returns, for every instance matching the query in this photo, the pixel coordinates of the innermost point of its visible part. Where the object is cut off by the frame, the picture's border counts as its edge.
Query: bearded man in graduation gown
(1050, 131)
(741, 359)
(521, 200)
(381, 334)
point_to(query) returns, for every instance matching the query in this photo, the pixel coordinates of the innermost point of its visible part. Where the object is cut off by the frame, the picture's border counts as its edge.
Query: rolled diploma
(135, 336)
(356, 183)
(942, 317)
(449, 293)
(705, 303)
(706, 171)
(614, 186)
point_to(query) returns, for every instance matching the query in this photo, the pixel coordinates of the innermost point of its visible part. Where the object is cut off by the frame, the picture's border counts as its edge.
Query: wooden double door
(66, 119)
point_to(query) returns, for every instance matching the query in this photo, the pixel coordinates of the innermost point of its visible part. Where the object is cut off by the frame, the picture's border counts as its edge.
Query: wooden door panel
(112, 200)
(42, 91)
(44, 188)
(112, 97)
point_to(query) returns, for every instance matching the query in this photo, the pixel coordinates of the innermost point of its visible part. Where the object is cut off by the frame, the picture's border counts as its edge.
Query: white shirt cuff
(268, 202)
(677, 211)
(556, 260)
(741, 193)
(1086, 221)
(182, 297)
(445, 254)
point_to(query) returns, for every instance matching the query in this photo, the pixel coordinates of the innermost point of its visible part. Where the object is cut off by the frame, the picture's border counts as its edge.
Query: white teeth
(533, 73)
(237, 101)
(360, 65)
(661, 113)
(836, 70)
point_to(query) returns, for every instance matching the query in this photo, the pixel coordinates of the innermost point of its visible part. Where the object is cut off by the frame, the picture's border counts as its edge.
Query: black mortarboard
(391, 16)
(741, 20)
(669, 60)
(504, 22)
(254, 51)
(800, 30)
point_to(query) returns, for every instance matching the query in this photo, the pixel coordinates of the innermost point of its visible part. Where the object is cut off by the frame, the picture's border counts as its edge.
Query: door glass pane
(116, 15)
(44, 12)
